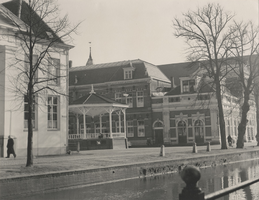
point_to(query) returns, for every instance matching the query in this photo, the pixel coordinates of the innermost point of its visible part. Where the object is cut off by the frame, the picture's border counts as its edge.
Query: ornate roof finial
(92, 90)
(90, 60)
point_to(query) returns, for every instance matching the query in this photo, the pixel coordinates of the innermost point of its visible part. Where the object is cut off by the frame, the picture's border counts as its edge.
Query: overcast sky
(136, 29)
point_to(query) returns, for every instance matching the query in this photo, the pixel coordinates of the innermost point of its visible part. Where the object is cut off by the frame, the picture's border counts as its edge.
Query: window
(88, 128)
(140, 99)
(181, 128)
(27, 68)
(118, 127)
(141, 129)
(127, 73)
(130, 129)
(174, 99)
(53, 71)
(97, 127)
(188, 86)
(129, 101)
(118, 97)
(198, 128)
(26, 113)
(53, 112)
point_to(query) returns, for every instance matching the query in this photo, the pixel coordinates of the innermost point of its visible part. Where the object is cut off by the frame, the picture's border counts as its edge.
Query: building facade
(189, 112)
(176, 107)
(50, 109)
(132, 82)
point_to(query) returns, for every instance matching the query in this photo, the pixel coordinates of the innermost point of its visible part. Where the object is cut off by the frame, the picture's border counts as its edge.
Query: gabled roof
(109, 72)
(40, 28)
(8, 19)
(178, 70)
(94, 104)
(93, 98)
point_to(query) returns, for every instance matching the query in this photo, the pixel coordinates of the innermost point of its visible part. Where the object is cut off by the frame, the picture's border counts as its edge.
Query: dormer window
(127, 73)
(188, 86)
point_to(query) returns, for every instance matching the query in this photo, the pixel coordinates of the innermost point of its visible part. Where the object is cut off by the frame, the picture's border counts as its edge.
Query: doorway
(159, 138)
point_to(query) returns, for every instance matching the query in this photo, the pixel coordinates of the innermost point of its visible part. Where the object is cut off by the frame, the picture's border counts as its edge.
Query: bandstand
(96, 105)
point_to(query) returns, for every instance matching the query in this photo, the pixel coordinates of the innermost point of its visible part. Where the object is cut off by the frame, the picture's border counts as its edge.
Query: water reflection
(167, 186)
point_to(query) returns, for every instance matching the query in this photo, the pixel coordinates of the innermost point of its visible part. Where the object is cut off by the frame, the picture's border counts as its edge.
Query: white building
(50, 121)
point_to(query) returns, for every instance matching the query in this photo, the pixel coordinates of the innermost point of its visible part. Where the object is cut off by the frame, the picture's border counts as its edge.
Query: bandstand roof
(94, 104)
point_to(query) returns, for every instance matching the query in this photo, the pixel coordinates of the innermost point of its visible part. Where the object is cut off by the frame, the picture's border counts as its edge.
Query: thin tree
(207, 34)
(39, 31)
(244, 53)
(256, 94)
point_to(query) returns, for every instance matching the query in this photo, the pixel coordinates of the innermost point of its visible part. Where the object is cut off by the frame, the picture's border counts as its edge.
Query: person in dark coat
(230, 141)
(10, 149)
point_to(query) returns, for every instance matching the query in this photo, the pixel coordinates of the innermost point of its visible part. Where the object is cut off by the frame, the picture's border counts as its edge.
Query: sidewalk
(10, 168)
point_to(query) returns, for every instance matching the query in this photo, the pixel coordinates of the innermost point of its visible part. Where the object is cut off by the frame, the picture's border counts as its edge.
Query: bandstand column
(84, 127)
(101, 124)
(110, 119)
(77, 124)
(124, 115)
(119, 113)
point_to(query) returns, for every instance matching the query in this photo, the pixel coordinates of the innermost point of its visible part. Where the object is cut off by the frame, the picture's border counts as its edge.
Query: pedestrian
(230, 141)
(10, 149)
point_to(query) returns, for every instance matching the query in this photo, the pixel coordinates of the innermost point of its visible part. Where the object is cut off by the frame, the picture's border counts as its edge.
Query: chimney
(70, 63)
(20, 8)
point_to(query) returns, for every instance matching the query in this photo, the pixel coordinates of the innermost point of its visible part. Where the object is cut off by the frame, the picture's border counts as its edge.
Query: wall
(45, 142)
(2, 89)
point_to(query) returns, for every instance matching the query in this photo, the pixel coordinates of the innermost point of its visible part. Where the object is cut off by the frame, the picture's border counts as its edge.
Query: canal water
(166, 187)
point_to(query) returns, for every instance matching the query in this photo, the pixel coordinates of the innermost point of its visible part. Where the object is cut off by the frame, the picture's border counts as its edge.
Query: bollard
(194, 150)
(191, 175)
(78, 146)
(208, 146)
(162, 150)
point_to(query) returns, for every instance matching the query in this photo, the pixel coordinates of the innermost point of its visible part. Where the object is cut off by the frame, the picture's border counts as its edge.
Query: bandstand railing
(96, 135)
(191, 175)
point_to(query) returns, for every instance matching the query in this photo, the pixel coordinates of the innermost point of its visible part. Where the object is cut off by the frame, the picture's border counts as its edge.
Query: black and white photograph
(129, 99)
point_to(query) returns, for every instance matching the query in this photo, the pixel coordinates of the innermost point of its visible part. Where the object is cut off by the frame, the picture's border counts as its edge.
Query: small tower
(90, 60)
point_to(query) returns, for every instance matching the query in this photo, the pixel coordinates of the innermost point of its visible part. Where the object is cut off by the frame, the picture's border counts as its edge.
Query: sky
(136, 29)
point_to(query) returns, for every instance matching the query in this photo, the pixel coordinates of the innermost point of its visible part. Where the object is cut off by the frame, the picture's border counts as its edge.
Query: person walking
(10, 149)
(230, 141)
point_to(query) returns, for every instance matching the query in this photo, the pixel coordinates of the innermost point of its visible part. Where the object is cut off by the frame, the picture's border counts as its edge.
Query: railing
(75, 136)
(118, 135)
(191, 175)
(95, 135)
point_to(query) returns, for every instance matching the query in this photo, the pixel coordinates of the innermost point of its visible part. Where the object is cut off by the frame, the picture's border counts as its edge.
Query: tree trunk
(243, 122)
(257, 113)
(30, 128)
(221, 117)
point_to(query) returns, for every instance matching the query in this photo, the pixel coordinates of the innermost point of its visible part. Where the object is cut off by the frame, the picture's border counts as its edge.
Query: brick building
(171, 104)
(188, 113)
(132, 82)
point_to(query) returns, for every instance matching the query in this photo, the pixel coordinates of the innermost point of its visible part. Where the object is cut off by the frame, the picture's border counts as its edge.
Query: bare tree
(39, 33)
(244, 53)
(207, 34)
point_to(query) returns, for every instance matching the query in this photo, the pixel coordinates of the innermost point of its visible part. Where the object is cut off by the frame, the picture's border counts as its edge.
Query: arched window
(181, 126)
(158, 124)
(198, 128)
